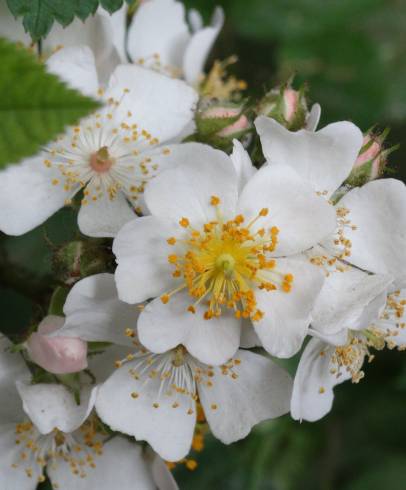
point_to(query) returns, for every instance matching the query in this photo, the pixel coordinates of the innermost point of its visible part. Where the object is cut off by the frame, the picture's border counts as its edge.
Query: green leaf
(84, 9)
(111, 5)
(39, 15)
(35, 106)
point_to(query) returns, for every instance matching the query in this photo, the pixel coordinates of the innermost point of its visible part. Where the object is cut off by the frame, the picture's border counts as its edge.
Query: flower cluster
(232, 225)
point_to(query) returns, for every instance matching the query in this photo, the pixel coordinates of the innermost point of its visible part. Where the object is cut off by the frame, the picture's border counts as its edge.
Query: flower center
(225, 262)
(38, 450)
(101, 161)
(82, 157)
(178, 356)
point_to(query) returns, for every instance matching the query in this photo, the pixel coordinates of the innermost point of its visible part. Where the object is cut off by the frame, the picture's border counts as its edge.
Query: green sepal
(57, 301)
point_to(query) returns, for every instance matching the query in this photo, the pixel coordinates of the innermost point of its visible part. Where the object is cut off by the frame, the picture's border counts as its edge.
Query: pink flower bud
(371, 152)
(371, 160)
(233, 130)
(218, 123)
(285, 105)
(291, 100)
(58, 355)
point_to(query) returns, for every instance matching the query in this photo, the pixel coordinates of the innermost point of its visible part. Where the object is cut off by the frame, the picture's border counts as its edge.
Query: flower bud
(285, 105)
(219, 123)
(371, 160)
(77, 259)
(58, 355)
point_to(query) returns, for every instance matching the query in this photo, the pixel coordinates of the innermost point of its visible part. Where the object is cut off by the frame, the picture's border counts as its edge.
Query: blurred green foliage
(351, 53)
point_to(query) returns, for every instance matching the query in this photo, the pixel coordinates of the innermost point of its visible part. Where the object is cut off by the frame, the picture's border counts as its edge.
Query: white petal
(115, 27)
(10, 453)
(313, 118)
(344, 297)
(105, 217)
(199, 47)
(162, 159)
(94, 312)
(324, 158)
(163, 477)
(164, 326)
(287, 315)
(195, 20)
(142, 253)
(186, 190)
(303, 218)
(103, 33)
(27, 196)
(259, 390)
(159, 28)
(12, 367)
(249, 337)
(51, 405)
(312, 396)
(102, 362)
(242, 164)
(340, 338)
(76, 66)
(378, 210)
(372, 312)
(167, 429)
(121, 465)
(159, 104)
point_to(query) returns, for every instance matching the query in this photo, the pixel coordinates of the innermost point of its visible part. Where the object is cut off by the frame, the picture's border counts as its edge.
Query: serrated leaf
(39, 15)
(35, 107)
(111, 5)
(84, 9)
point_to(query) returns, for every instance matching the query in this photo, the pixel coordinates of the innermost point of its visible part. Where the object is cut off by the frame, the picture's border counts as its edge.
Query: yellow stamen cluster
(341, 240)
(218, 84)
(391, 324)
(225, 262)
(350, 357)
(154, 62)
(37, 450)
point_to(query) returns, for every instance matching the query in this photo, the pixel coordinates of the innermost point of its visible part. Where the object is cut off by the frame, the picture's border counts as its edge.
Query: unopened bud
(77, 259)
(57, 355)
(371, 161)
(287, 106)
(219, 123)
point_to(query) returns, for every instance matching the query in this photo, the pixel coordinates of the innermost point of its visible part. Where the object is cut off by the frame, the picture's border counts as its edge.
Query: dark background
(352, 54)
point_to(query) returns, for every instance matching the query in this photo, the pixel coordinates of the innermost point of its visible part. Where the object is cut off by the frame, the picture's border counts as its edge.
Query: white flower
(153, 396)
(111, 154)
(43, 428)
(215, 252)
(359, 316)
(370, 234)
(159, 38)
(371, 220)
